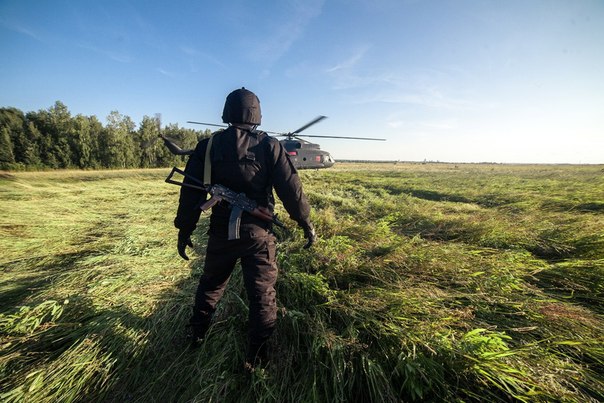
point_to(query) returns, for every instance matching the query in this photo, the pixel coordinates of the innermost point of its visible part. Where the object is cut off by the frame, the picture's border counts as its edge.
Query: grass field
(430, 282)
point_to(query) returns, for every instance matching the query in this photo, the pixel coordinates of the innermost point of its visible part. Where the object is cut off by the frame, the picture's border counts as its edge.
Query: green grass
(430, 282)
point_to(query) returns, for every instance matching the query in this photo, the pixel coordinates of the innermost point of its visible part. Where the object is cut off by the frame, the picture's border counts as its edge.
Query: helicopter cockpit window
(298, 145)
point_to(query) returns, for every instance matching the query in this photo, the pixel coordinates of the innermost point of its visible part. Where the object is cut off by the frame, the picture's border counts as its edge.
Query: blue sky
(459, 81)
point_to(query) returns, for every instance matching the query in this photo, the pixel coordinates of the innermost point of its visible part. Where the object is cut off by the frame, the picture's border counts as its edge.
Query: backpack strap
(207, 168)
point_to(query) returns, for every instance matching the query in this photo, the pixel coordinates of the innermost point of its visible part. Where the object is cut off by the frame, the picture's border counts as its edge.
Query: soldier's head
(242, 106)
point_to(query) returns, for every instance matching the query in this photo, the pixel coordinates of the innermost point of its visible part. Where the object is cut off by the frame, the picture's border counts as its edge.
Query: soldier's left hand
(310, 235)
(184, 240)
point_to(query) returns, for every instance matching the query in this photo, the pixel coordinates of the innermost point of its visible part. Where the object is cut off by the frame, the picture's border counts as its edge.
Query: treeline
(53, 139)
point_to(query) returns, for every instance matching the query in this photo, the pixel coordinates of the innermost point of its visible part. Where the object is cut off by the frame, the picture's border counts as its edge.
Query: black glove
(184, 240)
(310, 235)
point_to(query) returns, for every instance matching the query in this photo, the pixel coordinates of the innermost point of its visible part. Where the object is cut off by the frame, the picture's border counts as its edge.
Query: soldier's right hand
(184, 240)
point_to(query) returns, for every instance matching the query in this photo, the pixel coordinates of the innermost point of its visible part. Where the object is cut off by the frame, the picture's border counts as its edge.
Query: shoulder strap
(207, 168)
(261, 135)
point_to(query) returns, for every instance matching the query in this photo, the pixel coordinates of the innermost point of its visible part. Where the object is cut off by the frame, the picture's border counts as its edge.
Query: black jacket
(244, 161)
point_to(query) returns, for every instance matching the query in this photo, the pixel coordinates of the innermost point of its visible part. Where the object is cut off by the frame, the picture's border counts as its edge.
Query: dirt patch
(7, 176)
(556, 311)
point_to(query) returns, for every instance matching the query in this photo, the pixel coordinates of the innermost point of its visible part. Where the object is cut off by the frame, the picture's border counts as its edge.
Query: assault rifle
(238, 202)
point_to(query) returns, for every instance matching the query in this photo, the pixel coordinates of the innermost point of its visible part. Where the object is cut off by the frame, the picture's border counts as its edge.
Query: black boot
(199, 328)
(257, 356)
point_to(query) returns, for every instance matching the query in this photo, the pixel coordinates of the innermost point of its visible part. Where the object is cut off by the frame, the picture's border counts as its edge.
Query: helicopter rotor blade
(174, 149)
(309, 124)
(217, 125)
(339, 137)
(206, 124)
(295, 133)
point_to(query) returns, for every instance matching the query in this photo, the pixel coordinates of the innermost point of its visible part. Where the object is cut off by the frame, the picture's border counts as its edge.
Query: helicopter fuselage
(306, 155)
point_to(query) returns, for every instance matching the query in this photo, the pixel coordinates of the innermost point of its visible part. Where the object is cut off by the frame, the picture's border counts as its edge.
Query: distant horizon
(461, 163)
(103, 120)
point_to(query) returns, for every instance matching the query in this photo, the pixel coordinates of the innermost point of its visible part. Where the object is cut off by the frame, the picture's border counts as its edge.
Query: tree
(118, 146)
(52, 138)
(96, 132)
(148, 133)
(13, 120)
(31, 156)
(81, 141)
(61, 132)
(55, 128)
(39, 126)
(7, 158)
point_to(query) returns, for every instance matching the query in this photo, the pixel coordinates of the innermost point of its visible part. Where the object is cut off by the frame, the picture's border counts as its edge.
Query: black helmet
(242, 106)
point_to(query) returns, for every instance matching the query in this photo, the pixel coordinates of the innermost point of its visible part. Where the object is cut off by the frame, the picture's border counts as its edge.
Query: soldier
(251, 162)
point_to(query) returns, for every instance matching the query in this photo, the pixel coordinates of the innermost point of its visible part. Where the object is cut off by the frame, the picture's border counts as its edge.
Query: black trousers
(256, 250)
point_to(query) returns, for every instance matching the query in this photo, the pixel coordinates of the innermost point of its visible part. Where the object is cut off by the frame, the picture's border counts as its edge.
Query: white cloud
(21, 29)
(427, 88)
(121, 57)
(189, 51)
(284, 33)
(435, 125)
(193, 53)
(351, 61)
(165, 72)
(429, 97)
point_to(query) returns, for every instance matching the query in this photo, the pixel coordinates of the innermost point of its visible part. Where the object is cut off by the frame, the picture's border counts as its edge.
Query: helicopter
(303, 154)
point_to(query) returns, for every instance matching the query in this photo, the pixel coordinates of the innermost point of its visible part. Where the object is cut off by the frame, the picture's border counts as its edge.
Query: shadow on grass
(42, 271)
(579, 281)
(101, 350)
(484, 200)
(163, 367)
(566, 206)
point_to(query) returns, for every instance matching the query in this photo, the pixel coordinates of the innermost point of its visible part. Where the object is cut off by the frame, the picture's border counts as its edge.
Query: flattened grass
(429, 282)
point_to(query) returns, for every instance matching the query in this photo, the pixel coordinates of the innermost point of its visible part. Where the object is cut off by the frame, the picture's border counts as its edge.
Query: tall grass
(429, 282)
